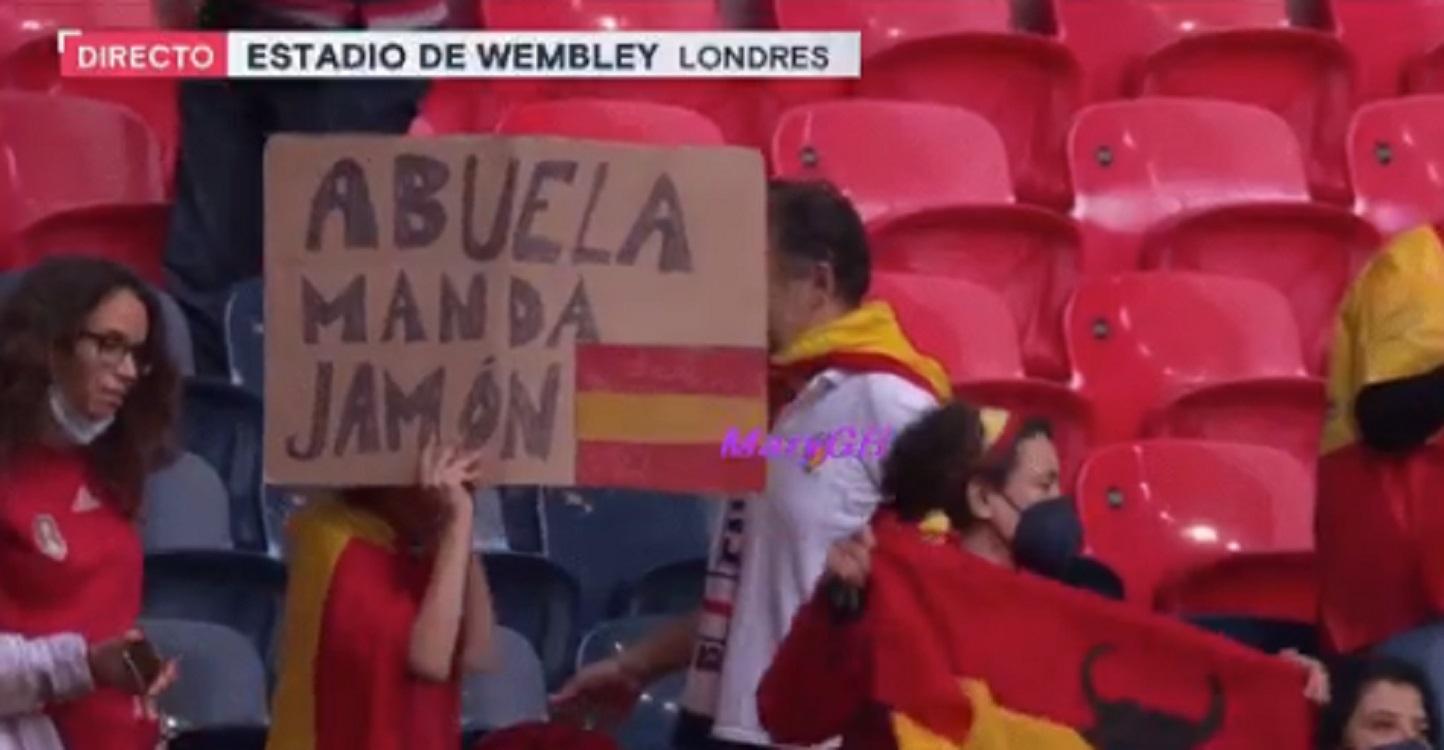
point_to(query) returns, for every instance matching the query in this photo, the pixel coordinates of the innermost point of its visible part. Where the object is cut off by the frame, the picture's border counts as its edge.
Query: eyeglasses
(111, 349)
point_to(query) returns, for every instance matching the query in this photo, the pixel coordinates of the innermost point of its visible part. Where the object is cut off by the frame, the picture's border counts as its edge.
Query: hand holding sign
(452, 474)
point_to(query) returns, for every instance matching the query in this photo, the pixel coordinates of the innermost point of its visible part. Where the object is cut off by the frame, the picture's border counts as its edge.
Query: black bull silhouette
(1124, 724)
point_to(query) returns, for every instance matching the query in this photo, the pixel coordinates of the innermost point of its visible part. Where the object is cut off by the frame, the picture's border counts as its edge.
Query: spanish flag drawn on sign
(655, 416)
(954, 653)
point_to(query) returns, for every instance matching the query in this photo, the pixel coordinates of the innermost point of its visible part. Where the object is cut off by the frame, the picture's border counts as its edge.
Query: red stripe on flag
(713, 370)
(667, 468)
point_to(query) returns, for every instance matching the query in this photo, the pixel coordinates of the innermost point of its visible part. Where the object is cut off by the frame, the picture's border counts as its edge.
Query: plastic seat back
(1111, 36)
(675, 588)
(939, 155)
(1028, 256)
(1027, 86)
(1304, 76)
(62, 153)
(1140, 342)
(1308, 252)
(540, 600)
(224, 425)
(582, 527)
(513, 692)
(186, 507)
(966, 327)
(240, 590)
(1396, 160)
(884, 23)
(600, 15)
(222, 682)
(1387, 37)
(246, 335)
(1153, 510)
(133, 235)
(601, 119)
(1136, 163)
(651, 724)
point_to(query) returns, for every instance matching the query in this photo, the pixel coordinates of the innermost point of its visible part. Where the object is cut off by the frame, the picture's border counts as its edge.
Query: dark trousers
(216, 226)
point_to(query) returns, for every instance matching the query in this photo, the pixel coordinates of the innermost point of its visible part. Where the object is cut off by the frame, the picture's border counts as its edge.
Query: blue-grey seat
(651, 725)
(241, 590)
(186, 507)
(246, 335)
(512, 692)
(671, 589)
(538, 599)
(224, 425)
(223, 682)
(583, 527)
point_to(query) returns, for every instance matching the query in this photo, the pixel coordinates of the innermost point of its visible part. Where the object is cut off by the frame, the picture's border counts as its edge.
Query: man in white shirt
(839, 365)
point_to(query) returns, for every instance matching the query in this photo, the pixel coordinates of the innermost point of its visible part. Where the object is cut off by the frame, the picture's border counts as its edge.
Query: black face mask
(1049, 537)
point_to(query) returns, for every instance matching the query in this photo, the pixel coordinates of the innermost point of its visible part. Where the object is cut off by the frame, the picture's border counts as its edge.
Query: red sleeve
(817, 685)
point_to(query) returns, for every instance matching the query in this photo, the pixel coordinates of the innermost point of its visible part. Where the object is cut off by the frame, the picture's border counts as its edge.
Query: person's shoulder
(890, 399)
(1416, 254)
(321, 522)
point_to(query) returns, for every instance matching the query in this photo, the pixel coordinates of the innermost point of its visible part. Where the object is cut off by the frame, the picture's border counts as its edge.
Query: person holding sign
(386, 608)
(836, 362)
(87, 401)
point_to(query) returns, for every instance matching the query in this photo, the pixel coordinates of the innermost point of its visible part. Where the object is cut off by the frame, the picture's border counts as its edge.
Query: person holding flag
(1380, 513)
(838, 362)
(947, 649)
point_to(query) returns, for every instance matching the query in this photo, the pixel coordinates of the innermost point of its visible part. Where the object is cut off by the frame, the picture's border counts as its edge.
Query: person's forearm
(438, 621)
(478, 621)
(666, 650)
(42, 670)
(1400, 415)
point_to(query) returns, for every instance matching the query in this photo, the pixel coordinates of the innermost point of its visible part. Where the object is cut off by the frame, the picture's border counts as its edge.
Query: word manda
(846, 441)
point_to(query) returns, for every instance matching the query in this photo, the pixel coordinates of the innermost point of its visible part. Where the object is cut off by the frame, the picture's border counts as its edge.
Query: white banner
(604, 54)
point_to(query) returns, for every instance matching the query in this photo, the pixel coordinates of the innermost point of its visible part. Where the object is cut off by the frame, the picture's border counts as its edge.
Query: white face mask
(77, 428)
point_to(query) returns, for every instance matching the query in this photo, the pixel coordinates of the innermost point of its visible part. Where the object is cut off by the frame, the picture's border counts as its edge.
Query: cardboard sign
(584, 313)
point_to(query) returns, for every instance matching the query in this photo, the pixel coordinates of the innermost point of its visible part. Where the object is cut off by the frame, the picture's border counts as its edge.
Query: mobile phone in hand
(144, 663)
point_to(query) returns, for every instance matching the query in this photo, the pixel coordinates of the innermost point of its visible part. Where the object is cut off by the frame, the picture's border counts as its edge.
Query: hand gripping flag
(953, 653)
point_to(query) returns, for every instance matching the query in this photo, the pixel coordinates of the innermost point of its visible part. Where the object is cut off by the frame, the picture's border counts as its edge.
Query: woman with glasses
(87, 401)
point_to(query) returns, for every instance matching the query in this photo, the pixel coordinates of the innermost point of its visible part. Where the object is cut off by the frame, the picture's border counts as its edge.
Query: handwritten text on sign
(439, 287)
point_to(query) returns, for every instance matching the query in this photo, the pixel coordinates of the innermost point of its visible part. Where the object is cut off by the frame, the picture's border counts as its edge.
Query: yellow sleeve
(1401, 310)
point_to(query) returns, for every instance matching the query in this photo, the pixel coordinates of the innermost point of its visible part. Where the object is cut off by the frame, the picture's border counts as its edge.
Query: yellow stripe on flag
(665, 418)
(994, 728)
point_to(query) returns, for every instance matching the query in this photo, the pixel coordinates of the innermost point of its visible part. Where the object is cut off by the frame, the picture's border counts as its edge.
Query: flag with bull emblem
(953, 653)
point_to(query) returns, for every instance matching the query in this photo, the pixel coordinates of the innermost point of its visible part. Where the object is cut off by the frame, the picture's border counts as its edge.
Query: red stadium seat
(1308, 251)
(1110, 37)
(599, 119)
(1156, 509)
(884, 23)
(1239, 50)
(62, 154)
(936, 155)
(1212, 186)
(935, 207)
(1175, 353)
(132, 234)
(32, 63)
(477, 107)
(1027, 86)
(969, 330)
(1269, 585)
(1387, 38)
(1030, 256)
(1396, 158)
(84, 14)
(600, 15)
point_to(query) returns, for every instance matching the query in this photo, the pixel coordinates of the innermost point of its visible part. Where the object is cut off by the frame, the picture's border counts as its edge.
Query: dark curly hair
(45, 315)
(931, 461)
